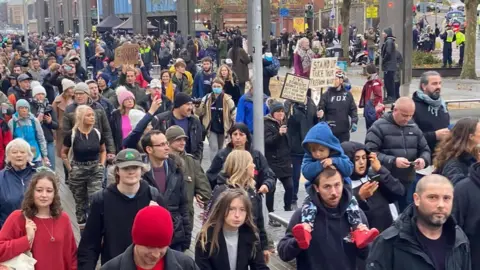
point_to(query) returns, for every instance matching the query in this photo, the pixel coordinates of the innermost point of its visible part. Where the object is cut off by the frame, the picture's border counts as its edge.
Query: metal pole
(25, 24)
(81, 34)
(256, 26)
(98, 12)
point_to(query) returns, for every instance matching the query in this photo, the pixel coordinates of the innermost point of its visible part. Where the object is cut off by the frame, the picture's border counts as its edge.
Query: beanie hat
(152, 227)
(66, 83)
(105, 77)
(82, 87)
(124, 95)
(38, 90)
(181, 99)
(135, 116)
(276, 106)
(34, 83)
(22, 103)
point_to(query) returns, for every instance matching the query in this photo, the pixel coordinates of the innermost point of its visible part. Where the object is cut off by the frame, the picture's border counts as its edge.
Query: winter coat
(47, 128)
(428, 122)
(196, 181)
(96, 63)
(370, 37)
(255, 198)
(229, 112)
(330, 231)
(31, 131)
(16, 94)
(167, 104)
(195, 139)
(390, 141)
(457, 169)
(247, 243)
(101, 123)
(232, 89)
(339, 110)
(398, 247)
(136, 90)
(264, 175)
(5, 138)
(110, 94)
(277, 148)
(107, 232)
(182, 85)
(389, 59)
(466, 211)
(114, 76)
(175, 197)
(174, 260)
(13, 185)
(240, 64)
(50, 89)
(107, 106)
(198, 83)
(372, 95)
(56, 80)
(389, 190)
(300, 119)
(245, 110)
(59, 106)
(116, 126)
(222, 49)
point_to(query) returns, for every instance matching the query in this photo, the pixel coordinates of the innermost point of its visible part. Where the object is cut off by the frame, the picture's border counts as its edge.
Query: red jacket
(372, 87)
(5, 138)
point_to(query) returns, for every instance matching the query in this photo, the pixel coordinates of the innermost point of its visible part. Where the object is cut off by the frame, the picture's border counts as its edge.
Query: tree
(345, 16)
(215, 9)
(468, 69)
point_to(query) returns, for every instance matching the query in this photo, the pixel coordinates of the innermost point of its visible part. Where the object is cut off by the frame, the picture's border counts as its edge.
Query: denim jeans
(371, 54)
(51, 154)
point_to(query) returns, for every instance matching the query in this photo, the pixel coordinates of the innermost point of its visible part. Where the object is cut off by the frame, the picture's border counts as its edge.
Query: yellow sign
(372, 12)
(94, 28)
(299, 24)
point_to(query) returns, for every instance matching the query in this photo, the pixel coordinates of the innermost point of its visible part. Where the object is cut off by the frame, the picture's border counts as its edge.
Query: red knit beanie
(153, 227)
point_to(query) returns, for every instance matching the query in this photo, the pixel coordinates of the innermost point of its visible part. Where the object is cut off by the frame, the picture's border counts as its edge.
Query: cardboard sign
(295, 88)
(322, 72)
(127, 54)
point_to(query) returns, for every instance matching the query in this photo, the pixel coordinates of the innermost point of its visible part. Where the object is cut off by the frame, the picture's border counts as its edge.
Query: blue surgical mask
(217, 90)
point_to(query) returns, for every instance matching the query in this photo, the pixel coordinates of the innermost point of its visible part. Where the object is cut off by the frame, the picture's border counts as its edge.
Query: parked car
(457, 6)
(427, 7)
(454, 14)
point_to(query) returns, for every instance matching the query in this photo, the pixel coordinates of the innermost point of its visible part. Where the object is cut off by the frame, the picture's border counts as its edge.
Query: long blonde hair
(229, 76)
(217, 217)
(80, 116)
(236, 169)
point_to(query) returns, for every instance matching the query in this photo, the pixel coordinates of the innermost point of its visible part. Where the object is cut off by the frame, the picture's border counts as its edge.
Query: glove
(354, 128)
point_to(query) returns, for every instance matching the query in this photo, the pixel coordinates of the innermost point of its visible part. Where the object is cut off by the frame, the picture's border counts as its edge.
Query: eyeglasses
(161, 144)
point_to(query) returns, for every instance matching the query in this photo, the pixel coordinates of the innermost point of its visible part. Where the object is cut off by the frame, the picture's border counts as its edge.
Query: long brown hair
(217, 216)
(229, 75)
(29, 208)
(456, 143)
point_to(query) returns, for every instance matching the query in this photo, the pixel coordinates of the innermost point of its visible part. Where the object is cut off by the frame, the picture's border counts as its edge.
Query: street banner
(127, 54)
(322, 72)
(295, 88)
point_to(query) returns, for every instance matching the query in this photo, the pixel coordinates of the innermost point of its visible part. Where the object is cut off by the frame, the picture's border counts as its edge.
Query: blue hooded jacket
(322, 134)
(245, 110)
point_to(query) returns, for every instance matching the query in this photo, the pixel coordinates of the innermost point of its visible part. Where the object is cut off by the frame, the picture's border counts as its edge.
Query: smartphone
(157, 95)
(375, 178)
(413, 163)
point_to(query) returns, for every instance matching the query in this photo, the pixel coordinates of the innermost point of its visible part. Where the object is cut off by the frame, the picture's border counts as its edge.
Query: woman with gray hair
(302, 58)
(15, 178)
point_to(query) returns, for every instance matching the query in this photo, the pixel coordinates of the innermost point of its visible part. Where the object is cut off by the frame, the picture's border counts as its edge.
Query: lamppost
(167, 24)
(197, 11)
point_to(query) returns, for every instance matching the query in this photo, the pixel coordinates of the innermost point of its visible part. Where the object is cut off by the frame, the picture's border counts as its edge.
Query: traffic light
(308, 11)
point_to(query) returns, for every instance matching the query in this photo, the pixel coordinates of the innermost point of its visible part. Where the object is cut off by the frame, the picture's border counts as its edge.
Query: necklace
(52, 239)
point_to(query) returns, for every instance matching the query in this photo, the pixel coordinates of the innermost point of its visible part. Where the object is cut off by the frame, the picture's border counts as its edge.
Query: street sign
(372, 12)
(284, 12)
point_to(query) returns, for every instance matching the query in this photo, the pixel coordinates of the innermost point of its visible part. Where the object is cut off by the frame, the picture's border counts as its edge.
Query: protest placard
(126, 54)
(322, 72)
(295, 88)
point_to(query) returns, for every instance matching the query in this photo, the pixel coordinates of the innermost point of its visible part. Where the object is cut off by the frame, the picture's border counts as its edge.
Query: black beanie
(371, 69)
(276, 106)
(181, 99)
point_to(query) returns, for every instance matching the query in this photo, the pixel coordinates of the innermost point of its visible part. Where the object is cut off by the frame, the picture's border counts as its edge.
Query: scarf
(306, 56)
(433, 105)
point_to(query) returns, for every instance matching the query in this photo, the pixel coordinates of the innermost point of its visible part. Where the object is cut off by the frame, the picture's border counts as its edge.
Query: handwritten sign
(126, 54)
(322, 72)
(295, 88)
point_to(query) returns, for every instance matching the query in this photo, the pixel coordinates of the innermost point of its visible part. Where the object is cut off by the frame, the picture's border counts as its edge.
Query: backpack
(70, 151)
(274, 67)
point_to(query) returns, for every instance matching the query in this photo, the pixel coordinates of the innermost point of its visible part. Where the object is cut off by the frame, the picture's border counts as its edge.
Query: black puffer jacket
(390, 141)
(398, 247)
(389, 60)
(256, 200)
(277, 148)
(456, 169)
(377, 207)
(339, 109)
(265, 175)
(467, 211)
(301, 118)
(175, 197)
(429, 121)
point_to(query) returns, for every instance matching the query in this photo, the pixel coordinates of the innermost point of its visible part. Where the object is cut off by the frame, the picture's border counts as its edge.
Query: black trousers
(287, 183)
(389, 80)
(343, 137)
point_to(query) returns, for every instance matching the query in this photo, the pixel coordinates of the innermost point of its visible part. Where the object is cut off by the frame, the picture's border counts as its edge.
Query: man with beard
(425, 236)
(202, 83)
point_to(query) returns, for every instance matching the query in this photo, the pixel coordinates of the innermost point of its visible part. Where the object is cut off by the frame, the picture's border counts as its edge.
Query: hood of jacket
(270, 118)
(474, 172)
(249, 97)
(144, 189)
(350, 149)
(322, 134)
